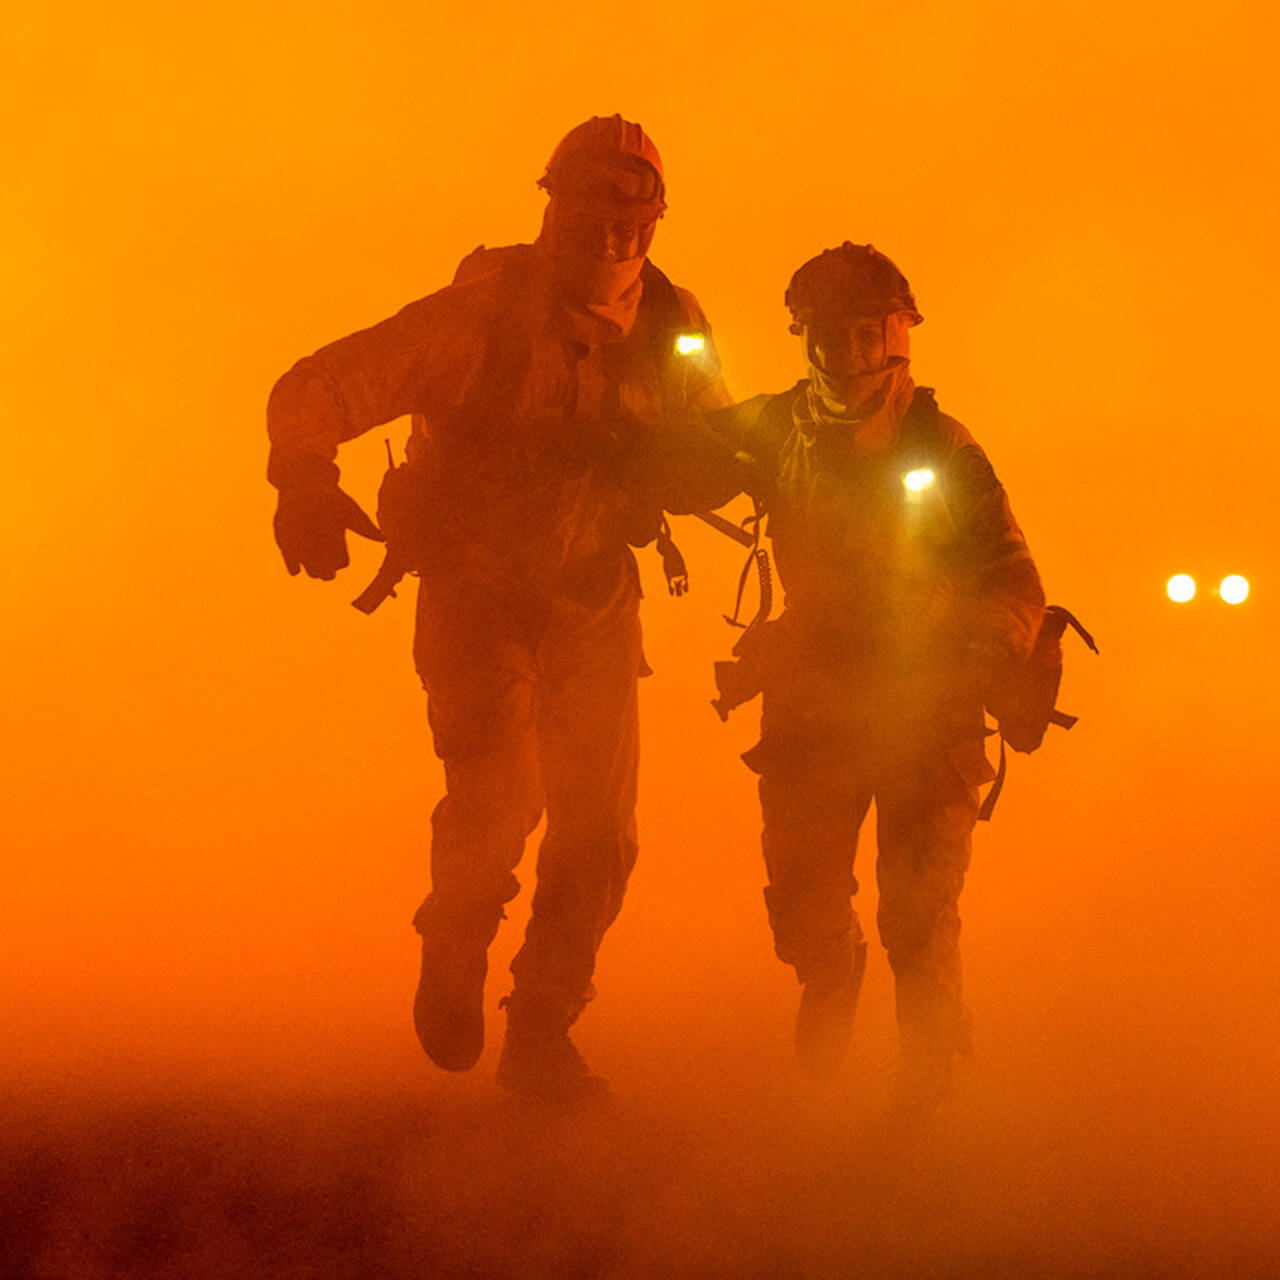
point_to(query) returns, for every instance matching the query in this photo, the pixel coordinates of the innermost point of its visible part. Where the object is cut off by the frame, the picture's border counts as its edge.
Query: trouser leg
(925, 817)
(491, 804)
(480, 680)
(480, 676)
(810, 835)
(588, 749)
(811, 822)
(479, 830)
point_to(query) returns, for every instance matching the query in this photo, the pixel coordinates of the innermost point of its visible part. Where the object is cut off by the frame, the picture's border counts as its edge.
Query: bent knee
(913, 928)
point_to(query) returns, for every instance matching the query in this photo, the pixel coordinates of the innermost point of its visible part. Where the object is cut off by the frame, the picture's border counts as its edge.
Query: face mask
(854, 366)
(596, 252)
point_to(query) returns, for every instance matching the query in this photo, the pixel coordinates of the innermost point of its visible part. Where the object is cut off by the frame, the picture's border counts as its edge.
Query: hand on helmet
(311, 526)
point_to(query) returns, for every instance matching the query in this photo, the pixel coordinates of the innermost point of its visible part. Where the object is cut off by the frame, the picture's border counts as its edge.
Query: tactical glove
(312, 520)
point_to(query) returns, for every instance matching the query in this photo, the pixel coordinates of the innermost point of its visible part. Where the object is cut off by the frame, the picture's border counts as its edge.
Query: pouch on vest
(402, 519)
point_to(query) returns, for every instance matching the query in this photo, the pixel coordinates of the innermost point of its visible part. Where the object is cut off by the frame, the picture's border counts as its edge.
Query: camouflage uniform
(897, 606)
(528, 633)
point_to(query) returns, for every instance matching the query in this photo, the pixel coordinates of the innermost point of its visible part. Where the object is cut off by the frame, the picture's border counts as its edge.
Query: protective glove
(311, 525)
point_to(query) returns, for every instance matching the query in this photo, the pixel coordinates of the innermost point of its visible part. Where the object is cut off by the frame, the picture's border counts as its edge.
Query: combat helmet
(853, 280)
(612, 159)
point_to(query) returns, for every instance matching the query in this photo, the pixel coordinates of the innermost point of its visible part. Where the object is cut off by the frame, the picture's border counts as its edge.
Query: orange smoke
(220, 777)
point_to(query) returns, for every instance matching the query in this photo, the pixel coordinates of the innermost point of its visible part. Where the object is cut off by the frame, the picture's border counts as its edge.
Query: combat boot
(448, 1007)
(828, 1002)
(936, 1034)
(539, 1061)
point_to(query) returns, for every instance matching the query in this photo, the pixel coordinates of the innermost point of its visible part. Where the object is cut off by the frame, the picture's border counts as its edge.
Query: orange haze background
(219, 778)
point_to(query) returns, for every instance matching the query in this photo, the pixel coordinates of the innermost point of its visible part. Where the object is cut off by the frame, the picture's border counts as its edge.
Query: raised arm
(416, 360)
(421, 359)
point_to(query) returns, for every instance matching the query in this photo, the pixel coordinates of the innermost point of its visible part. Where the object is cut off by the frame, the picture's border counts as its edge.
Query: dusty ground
(698, 1167)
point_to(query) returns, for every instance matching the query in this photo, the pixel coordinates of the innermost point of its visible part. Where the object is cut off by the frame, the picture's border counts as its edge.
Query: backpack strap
(665, 320)
(920, 434)
(989, 803)
(1069, 619)
(660, 301)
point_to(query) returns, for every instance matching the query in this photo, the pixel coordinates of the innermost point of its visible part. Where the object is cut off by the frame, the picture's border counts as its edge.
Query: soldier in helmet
(521, 377)
(908, 586)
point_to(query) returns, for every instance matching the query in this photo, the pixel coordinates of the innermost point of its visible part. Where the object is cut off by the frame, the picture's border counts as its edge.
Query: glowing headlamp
(1181, 588)
(919, 480)
(689, 343)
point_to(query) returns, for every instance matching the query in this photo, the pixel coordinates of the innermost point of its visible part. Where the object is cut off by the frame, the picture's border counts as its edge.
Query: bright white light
(1181, 588)
(919, 480)
(688, 343)
(1234, 589)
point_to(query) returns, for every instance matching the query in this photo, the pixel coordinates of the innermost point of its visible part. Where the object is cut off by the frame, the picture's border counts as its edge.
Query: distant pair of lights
(1233, 588)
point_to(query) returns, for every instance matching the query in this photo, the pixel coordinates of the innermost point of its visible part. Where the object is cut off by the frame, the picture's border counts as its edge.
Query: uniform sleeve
(1006, 600)
(419, 360)
(679, 464)
(740, 426)
(692, 469)
(721, 453)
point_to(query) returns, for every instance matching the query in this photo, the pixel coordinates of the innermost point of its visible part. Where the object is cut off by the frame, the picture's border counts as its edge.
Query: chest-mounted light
(688, 344)
(919, 480)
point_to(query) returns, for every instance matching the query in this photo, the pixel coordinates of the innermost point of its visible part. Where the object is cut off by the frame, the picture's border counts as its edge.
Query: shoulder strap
(664, 319)
(781, 415)
(660, 301)
(921, 431)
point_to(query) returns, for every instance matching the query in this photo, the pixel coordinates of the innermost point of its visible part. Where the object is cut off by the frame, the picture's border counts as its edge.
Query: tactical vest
(403, 502)
(1022, 695)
